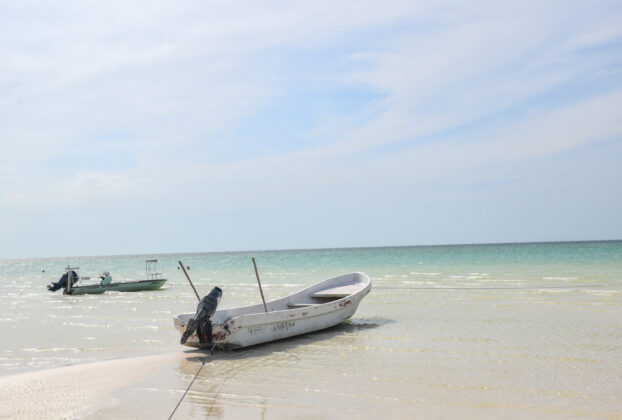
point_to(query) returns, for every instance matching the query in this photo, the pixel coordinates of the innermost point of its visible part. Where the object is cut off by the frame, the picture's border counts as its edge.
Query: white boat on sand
(320, 306)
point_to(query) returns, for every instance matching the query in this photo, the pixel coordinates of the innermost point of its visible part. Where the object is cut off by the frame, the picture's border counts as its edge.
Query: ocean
(457, 331)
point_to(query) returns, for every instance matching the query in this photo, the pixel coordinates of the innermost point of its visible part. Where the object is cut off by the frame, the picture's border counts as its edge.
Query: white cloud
(130, 103)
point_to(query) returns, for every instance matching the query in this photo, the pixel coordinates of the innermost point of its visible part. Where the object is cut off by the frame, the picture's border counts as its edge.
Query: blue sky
(148, 127)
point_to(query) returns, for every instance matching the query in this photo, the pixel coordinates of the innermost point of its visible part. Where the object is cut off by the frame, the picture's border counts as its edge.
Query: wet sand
(367, 368)
(77, 391)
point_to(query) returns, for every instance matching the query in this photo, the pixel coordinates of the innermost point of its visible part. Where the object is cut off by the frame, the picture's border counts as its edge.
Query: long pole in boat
(188, 277)
(69, 281)
(259, 283)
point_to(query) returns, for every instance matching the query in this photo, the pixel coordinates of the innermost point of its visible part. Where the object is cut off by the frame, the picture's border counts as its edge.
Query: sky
(193, 126)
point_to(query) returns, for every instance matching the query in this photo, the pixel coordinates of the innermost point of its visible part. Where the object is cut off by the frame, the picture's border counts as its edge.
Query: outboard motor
(201, 322)
(62, 282)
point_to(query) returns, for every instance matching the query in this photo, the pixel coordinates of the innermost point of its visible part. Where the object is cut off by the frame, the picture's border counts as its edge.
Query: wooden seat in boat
(300, 305)
(337, 292)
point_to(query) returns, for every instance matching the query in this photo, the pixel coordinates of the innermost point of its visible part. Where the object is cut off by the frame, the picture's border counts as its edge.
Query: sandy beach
(77, 391)
(361, 370)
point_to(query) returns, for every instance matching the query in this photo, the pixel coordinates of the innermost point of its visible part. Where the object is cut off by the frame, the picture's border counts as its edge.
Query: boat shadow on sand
(225, 363)
(348, 330)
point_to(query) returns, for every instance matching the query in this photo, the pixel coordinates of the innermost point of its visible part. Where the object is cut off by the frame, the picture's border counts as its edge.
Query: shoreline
(77, 390)
(330, 248)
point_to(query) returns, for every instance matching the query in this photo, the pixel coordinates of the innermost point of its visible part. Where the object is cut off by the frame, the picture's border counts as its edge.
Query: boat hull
(129, 286)
(261, 327)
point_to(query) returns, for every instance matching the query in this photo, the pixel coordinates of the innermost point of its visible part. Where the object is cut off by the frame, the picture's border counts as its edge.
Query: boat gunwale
(105, 286)
(133, 286)
(288, 312)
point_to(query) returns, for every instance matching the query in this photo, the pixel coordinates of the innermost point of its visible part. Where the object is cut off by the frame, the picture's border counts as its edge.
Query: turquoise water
(511, 329)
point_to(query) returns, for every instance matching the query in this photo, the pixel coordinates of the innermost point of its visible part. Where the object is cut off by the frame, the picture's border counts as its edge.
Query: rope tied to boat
(193, 379)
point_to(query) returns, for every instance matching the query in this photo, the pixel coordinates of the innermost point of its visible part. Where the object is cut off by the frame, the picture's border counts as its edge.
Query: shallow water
(457, 331)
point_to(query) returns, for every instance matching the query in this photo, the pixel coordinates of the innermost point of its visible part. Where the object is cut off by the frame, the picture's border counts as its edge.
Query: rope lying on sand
(187, 389)
(195, 376)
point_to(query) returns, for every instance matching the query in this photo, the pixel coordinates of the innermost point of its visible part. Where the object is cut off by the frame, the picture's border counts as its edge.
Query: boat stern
(219, 334)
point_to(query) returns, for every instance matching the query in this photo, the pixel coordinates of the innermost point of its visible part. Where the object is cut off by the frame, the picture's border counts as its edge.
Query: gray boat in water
(154, 281)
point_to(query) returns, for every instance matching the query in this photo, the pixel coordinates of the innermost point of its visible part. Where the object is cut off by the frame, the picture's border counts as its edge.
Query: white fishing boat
(320, 306)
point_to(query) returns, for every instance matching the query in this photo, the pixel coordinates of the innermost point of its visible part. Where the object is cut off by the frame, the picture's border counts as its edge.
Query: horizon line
(318, 249)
